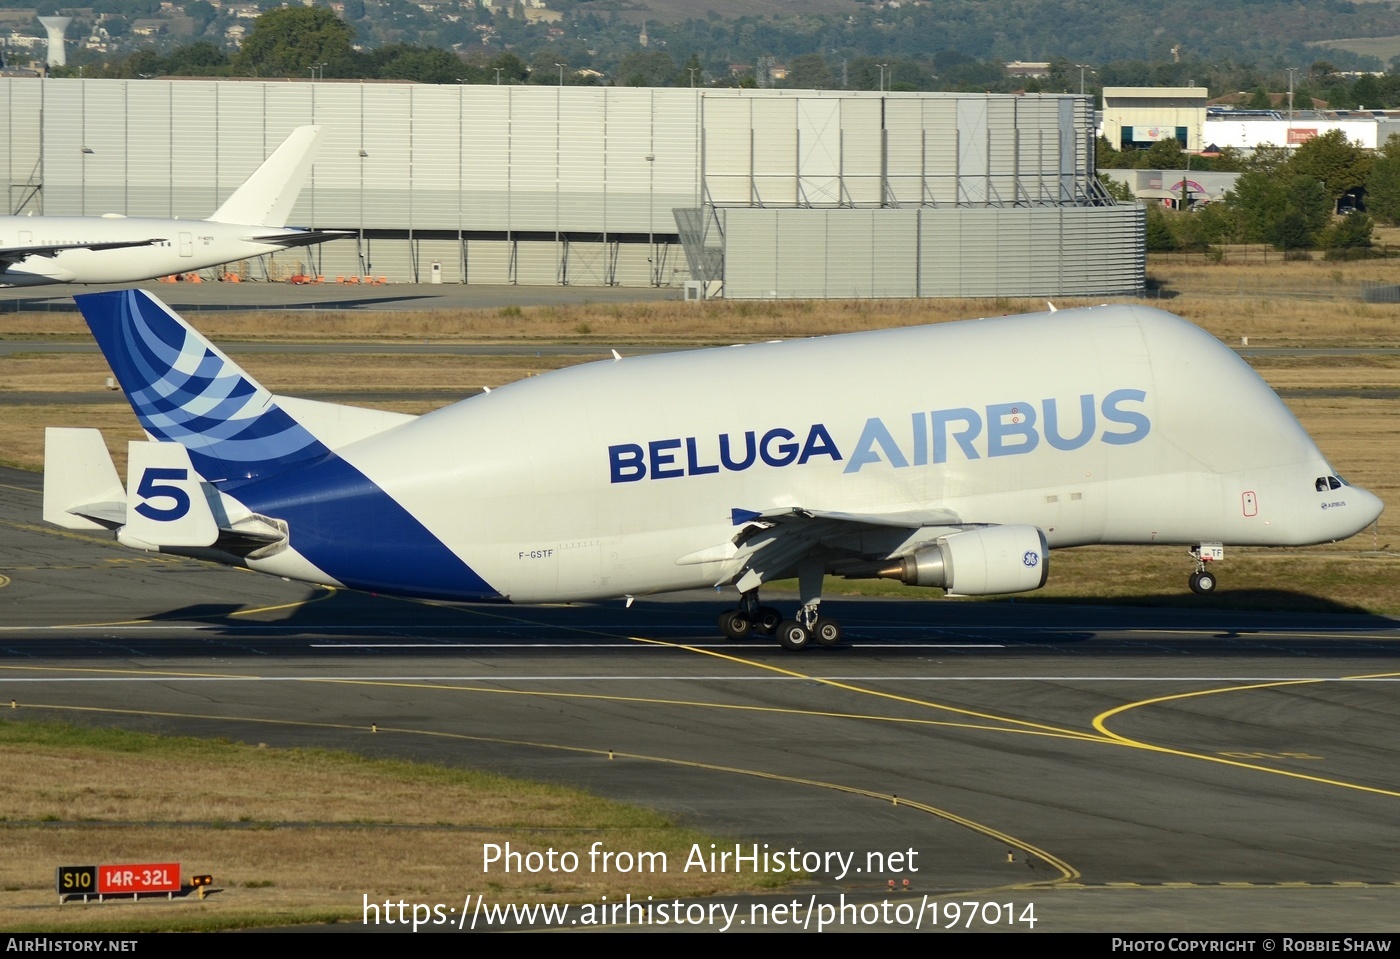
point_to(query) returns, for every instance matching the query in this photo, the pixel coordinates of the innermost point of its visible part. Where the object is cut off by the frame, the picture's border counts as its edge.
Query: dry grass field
(295, 836)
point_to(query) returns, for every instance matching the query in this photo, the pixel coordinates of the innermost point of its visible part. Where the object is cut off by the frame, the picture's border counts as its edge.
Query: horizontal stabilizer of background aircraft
(40, 250)
(954, 456)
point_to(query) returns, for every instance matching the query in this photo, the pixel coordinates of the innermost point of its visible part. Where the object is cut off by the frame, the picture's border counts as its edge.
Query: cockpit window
(1325, 483)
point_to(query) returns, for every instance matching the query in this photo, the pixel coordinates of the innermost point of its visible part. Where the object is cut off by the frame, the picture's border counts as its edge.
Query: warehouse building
(741, 193)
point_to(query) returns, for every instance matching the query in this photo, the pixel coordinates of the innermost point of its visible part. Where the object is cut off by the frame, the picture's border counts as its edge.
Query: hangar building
(744, 193)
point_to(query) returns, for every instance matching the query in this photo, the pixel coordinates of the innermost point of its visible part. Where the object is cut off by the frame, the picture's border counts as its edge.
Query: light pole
(82, 200)
(561, 73)
(498, 75)
(882, 67)
(360, 246)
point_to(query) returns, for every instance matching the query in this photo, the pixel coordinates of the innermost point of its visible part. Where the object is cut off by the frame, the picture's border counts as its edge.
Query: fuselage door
(187, 244)
(1250, 502)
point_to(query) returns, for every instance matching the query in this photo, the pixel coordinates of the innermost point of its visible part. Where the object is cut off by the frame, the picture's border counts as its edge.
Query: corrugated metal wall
(501, 184)
(949, 251)
(543, 161)
(21, 112)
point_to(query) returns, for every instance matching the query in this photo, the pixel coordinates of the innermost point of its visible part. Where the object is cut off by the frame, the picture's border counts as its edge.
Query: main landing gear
(807, 627)
(1203, 581)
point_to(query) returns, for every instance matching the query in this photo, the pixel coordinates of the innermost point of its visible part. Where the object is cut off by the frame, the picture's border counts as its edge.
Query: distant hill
(674, 11)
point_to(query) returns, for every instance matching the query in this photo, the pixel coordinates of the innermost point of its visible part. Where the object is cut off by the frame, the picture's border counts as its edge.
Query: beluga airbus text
(40, 250)
(954, 456)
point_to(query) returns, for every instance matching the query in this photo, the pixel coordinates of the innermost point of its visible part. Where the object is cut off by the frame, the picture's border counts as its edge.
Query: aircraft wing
(13, 254)
(932, 547)
(771, 544)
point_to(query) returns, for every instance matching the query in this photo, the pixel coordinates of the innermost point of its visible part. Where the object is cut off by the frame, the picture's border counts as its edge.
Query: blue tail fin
(185, 390)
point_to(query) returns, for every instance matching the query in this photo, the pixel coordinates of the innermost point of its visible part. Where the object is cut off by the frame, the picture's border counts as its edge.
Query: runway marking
(619, 645)
(1067, 872)
(736, 707)
(146, 624)
(438, 685)
(4, 581)
(1226, 884)
(1101, 724)
(836, 684)
(678, 677)
(326, 592)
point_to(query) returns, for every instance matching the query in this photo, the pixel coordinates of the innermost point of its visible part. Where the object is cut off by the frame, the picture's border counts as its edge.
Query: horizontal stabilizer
(169, 504)
(81, 486)
(299, 238)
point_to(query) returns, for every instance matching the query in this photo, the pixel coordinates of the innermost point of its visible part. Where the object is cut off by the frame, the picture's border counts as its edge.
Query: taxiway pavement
(1126, 769)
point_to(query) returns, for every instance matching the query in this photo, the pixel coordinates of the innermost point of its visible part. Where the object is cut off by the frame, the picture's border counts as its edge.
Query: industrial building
(1134, 118)
(741, 193)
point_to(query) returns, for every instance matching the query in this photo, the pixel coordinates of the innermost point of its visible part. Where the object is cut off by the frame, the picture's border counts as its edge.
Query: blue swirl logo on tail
(184, 389)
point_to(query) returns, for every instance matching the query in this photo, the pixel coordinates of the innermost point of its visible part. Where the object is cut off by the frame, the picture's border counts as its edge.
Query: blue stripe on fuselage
(354, 531)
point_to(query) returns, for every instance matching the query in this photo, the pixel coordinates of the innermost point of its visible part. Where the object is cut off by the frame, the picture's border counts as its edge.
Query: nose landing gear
(1203, 581)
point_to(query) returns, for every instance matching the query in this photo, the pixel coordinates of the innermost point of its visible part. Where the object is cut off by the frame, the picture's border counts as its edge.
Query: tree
(1289, 213)
(202, 59)
(1268, 159)
(202, 12)
(1334, 161)
(513, 69)
(685, 78)
(1108, 157)
(1310, 199)
(647, 68)
(1228, 160)
(289, 41)
(545, 68)
(809, 72)
(1349, 236)
(1262, 202)
(1162, 155)
(1160, 238)
(1383, 185)
(1118, 189)
(404, 62)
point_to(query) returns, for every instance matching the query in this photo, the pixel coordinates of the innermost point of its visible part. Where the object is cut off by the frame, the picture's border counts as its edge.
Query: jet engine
(978, 562)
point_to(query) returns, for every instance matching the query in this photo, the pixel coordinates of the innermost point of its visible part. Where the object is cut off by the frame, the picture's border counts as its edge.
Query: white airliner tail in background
(954, 456)
(40, 250)
(267, 197)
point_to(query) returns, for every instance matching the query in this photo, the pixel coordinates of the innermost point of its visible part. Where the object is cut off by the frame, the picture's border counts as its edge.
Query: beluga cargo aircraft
(954, 456)
(41, 250)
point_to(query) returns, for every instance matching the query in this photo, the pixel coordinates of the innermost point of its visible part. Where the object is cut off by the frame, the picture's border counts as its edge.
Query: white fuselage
(1111, 425)
(184, 246)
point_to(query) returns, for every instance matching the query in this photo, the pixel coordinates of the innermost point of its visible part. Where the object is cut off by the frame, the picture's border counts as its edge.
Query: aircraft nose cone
(1369, 506)
(1359, 510)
